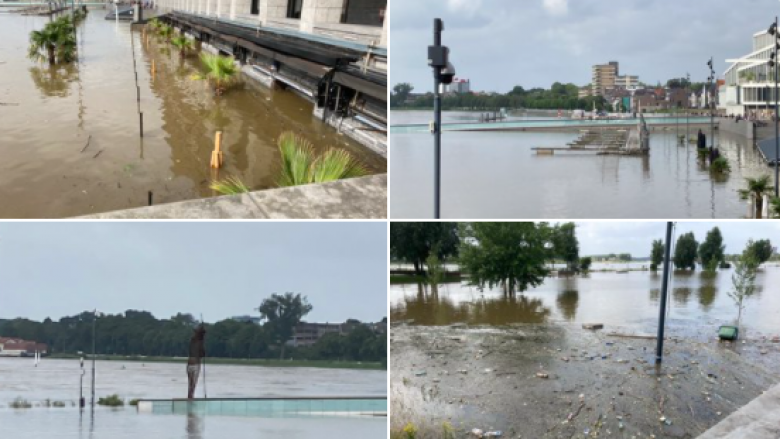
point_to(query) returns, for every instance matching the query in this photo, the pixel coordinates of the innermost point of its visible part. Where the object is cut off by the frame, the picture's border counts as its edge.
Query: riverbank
(233, 361)
(559, 380)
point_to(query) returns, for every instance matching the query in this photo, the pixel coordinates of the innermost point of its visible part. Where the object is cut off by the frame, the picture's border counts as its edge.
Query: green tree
(413, 242)
(509, 255)
(711, 250)
(656, 254)
(585, 264)
(400, 93)
(55, 42)
(282, 313)
(758, 251)
(685, 252)
(744, 282)
(566, 246)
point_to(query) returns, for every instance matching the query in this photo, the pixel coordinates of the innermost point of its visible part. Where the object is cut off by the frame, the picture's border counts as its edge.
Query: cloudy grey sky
(218, 269)
(502, 43)
(637, 237)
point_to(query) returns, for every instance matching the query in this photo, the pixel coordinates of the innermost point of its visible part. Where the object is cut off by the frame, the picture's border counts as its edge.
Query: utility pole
(777, 117)
(443, 73)
(659, 352)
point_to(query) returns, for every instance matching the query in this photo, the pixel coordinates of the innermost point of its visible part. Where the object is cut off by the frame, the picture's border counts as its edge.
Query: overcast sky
(502, 43)
(597, 238)
(218, 269)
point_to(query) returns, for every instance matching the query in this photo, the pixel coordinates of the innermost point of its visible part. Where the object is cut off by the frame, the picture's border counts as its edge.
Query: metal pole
(81, 385)
(659, 352)
(777, 118)
(94, 322)
(437, 125)
(712, 104)
(205, 393)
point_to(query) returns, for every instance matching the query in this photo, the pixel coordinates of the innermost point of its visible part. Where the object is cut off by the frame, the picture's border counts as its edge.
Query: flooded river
(58, 380)
(50, 115)
(625, 299)
(497, 175)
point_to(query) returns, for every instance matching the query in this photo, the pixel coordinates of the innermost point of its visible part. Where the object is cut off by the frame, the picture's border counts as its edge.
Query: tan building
(604, 77)
(607, 77)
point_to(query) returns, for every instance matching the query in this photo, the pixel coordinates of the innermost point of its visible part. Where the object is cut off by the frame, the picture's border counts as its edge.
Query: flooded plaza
(498, 175)
(70, 134)
(525, 367)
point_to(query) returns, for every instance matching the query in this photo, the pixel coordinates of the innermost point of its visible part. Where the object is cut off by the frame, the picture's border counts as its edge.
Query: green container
(728, 332)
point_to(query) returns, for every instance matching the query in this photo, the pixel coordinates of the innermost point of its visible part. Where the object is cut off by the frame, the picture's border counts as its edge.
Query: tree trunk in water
(417, 270)
(759, 205)
(52, 59)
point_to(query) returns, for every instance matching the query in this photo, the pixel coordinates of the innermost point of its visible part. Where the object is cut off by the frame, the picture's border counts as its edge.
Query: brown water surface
(54, 111)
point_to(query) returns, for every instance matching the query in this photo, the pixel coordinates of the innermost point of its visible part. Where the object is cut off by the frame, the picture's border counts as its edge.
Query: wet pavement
(557, 380)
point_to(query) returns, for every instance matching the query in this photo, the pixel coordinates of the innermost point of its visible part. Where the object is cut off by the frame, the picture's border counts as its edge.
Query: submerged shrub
(20, 403)
(111, 401)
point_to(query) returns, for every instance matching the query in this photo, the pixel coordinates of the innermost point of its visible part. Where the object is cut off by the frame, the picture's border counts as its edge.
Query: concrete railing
(357, 198)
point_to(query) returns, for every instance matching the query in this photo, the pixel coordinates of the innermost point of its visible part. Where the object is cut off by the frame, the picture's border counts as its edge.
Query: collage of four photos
(393, 219)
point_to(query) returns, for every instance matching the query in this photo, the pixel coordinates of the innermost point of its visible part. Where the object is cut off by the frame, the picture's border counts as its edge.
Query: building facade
(362, 21)
(749, 81)
(17, 347)
(606, 77)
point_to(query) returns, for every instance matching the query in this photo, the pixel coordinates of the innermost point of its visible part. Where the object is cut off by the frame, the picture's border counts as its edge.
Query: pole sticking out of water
(659, 352)
(216, 155)
(141, 122)
(150, 198)
(205, 393)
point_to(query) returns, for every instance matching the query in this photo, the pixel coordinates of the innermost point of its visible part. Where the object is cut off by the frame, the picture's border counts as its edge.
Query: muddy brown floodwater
(50, 114)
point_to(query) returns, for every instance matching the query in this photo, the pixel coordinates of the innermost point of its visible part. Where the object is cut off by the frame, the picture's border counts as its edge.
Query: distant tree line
(140, 333)
(558, 96)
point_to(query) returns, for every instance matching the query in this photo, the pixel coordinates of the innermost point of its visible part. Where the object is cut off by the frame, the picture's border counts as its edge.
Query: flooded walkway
(45, 174)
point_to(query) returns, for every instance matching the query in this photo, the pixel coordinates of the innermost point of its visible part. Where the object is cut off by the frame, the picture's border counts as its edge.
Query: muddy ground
(596, 385)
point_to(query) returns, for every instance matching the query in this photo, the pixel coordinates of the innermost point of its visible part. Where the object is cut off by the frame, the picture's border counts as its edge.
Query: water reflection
(194, 426)
(707, 292)
(436, 309)
(567, 304)
(53, 81)
(681, 295)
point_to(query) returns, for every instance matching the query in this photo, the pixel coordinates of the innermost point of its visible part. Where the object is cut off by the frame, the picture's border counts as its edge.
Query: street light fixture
(687, 109)
(443, 73)
(773, 58)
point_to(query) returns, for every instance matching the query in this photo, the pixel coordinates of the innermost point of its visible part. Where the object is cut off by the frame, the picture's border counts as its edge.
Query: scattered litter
(421, 373)
(542, 375)
(593, 326)
(477, 433)
(496, 433)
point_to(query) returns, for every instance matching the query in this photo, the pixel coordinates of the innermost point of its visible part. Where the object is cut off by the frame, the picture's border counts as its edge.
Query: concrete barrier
(357, 198)
(742, 128)
(760, 419)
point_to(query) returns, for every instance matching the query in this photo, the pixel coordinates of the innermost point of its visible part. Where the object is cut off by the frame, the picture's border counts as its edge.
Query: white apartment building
(750, 81)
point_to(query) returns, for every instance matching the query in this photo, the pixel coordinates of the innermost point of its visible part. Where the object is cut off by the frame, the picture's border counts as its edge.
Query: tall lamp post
(773, 58)
(711, 83)
(443, 73)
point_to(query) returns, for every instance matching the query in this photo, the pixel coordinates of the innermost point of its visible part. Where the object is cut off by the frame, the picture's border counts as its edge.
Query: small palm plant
(165, 31)
(54, 42)
(221, 71)
(756, 188)
(183, 44)
(774, 207)
(720, 166)
(229, 186)
(301, 166)
(153, 24)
